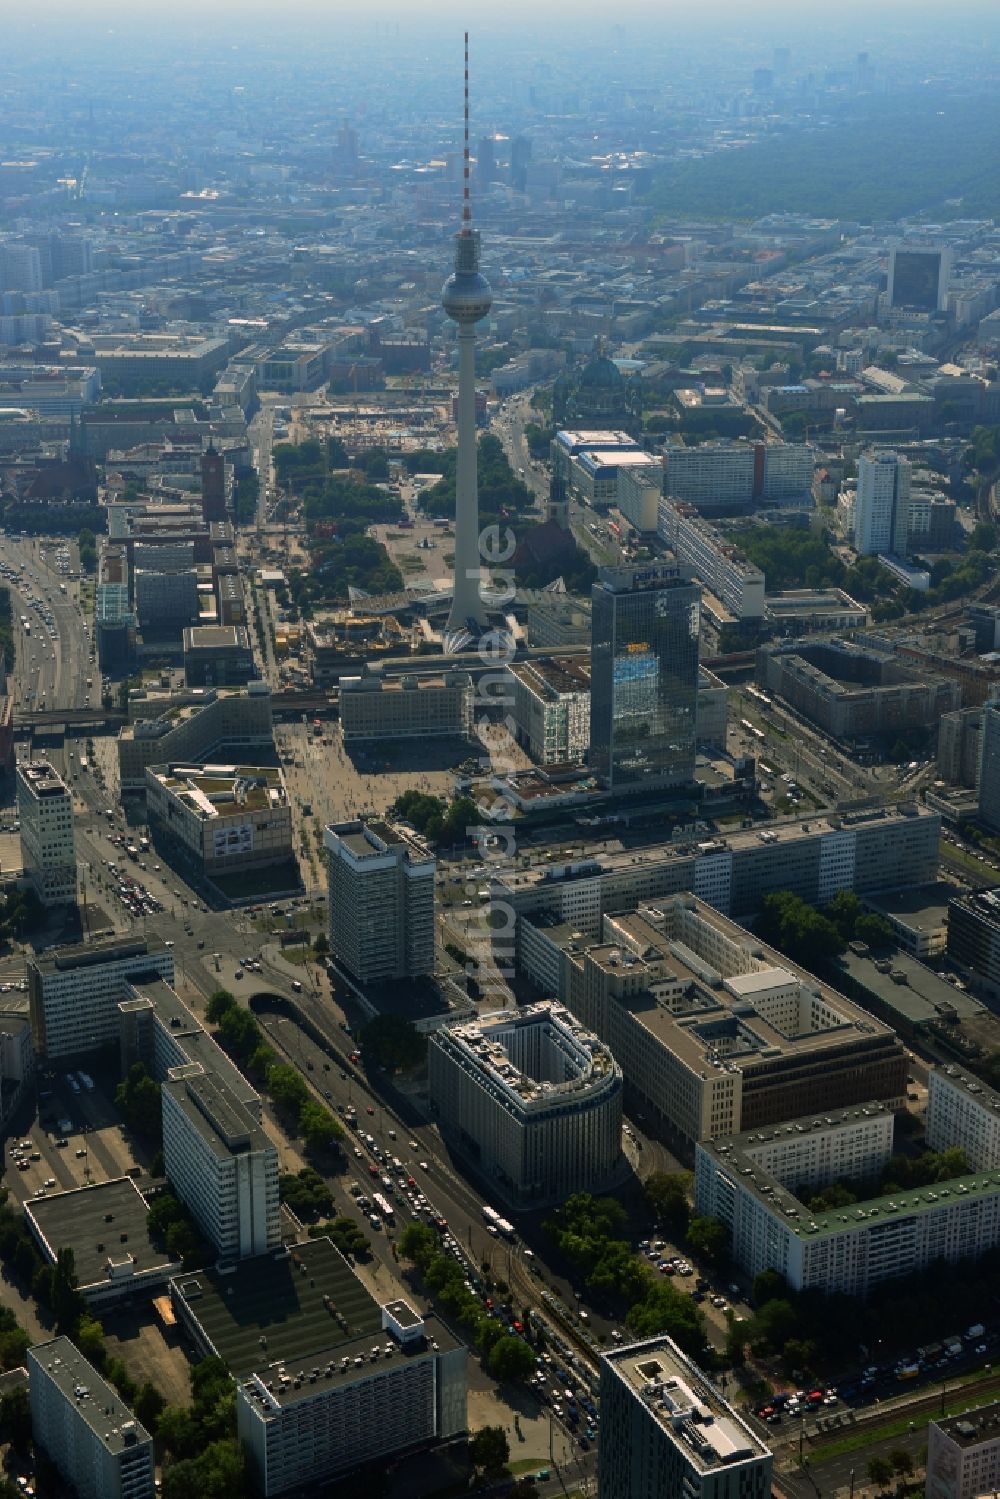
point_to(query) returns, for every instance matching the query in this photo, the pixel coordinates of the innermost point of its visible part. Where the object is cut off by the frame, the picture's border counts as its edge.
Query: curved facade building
(531, 1099)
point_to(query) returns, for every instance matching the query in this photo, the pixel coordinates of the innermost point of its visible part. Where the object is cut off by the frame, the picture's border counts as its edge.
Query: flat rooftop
(686, 1405)
(920, 996)
(558, 676)
(215, 637)
(190, 1036)
(89, 1396)
(804, 602)
(775, 834)
(566, 1049)
(302, 1311)
(214, 1112)
(102, 1224)
(711, 1012)
(41, 779)
(211, 791)
(972, 1427)
(89, 954)
(287, 1299)
(277, 1385)
(924, 907)
(374, 838)
(735, 1155)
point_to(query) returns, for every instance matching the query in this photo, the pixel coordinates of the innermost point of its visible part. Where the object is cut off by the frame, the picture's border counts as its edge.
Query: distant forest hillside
(885, 159)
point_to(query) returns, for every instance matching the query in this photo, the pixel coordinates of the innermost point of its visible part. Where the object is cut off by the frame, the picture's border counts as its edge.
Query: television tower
(466, 298)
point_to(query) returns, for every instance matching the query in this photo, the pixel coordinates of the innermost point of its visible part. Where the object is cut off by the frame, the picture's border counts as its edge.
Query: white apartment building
(880, 850)
(381, 900)
(551, 709)
(713, 476)
(220, 1163)
(882, 504)
(965, 1112)
(157, 1029)
(20, 267)
(48, 846)
(74, 992)
(666, 1431)
(963, 1454)
(851, 1249)
(718, 564)
(532, 1099)
(640, 489)
(727, 476)
(79, 1420)
(404, 1391)
(788, 472)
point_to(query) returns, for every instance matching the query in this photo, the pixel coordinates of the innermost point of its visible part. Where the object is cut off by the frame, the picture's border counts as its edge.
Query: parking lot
(96, 1145)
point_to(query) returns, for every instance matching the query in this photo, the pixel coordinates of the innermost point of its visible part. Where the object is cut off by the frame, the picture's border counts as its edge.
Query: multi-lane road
(52, 667)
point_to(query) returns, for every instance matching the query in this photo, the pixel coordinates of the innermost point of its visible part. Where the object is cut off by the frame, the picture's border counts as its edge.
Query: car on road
(369, 1110)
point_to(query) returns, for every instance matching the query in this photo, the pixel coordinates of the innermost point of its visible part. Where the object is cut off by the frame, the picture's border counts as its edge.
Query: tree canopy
(886, 158)
(590, 1232)
(440, 821)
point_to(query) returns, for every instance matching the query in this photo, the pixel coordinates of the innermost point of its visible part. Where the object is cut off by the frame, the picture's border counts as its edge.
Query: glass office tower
(644, 677)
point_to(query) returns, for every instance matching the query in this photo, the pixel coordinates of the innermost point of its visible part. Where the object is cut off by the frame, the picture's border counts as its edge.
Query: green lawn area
(951, 854)
(898, 1424)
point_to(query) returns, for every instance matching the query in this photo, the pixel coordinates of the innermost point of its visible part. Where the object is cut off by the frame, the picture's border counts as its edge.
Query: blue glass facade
(644, 677)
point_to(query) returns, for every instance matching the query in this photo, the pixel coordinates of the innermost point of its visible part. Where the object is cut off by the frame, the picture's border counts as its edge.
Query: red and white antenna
(466, 200)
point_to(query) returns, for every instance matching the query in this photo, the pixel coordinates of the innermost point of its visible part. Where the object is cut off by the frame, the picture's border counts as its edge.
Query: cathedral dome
(601, 374)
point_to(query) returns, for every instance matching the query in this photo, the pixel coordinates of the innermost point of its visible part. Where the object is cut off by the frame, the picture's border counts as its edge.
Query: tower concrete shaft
(467, 603)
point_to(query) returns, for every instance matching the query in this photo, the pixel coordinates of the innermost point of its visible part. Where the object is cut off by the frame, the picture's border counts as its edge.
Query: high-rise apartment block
(79, 1420)
(666, 1430)
(644, 677)
(989, 766)
(882, 504)
(847, 1250)
(640, 490)
(20, 267)
(724, 570)
(48, 847)
(722, 477)
(220, 1162)
(74, 992)
(963, 1454)
(963, 1111)
(381, 900)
